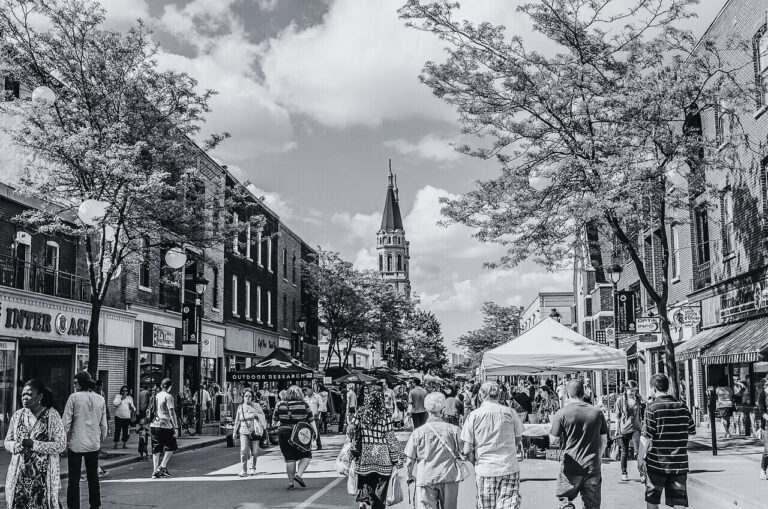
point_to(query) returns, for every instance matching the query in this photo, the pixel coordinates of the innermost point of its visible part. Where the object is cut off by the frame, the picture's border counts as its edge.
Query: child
(143, 433)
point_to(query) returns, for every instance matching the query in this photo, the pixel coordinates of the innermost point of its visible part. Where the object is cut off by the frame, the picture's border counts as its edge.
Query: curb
(135, 459)
(735, 500)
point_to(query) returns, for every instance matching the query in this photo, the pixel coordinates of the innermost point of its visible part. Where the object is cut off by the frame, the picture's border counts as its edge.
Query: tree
(118, 132)
(500, 324)
(423, 346)
(605, 119)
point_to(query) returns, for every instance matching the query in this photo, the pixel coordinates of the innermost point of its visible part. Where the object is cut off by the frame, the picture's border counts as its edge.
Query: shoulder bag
(301, 434)
(253, 436)
(463, 470)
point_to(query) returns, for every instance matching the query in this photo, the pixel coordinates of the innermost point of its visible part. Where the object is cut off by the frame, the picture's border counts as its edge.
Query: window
(293, 269)
(285, 263)
(215, 271)
(269, 308)
(248, 241)
(389, 263)
(399, 263)
(701, 222)
(52, 266)
(234, 296)
(247, 299)
(236, 229)
(381, 263)
(286, 320)
(258, 248)
(293, 314)
(258, 303)
(726, 207)
(760, 55)
(269, 253)
(144, 266)
(722, 124)
(674, 246)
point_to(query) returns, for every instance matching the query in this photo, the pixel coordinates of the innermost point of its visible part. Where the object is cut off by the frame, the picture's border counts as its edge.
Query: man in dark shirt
(663, 453)
(522, 399)
(583, 432)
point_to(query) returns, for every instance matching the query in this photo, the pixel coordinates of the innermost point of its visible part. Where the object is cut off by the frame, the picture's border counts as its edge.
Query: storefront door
(7, 381)
(53, 367)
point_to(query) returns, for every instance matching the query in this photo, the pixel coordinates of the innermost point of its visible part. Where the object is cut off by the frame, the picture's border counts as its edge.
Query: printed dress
(33, 475)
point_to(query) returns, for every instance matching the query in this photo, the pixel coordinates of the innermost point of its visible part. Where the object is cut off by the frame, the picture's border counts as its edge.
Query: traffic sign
(648, 325)
(610, 335)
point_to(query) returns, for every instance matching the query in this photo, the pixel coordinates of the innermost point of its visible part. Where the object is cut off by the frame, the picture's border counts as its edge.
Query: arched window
(399, 263)
(381, 263)
(389, 263)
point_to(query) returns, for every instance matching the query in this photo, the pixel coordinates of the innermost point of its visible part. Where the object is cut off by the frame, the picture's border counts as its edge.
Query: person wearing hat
(85, 424)
(162, 430)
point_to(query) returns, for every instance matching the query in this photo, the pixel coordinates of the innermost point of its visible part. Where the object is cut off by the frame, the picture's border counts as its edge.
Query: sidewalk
(111, 458)
(734, 473)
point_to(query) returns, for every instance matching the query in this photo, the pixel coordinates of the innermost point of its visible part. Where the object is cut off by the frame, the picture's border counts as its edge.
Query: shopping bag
(397, 415)
(344, 459)
(395, 489)
(352, 478)
(616, 450)
(408, 423)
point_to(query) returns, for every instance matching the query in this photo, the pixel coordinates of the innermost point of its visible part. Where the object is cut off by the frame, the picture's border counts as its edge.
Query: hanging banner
(189, 324)
(627, 303)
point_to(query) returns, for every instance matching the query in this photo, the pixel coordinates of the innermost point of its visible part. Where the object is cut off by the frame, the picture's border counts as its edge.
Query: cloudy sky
(318, 95)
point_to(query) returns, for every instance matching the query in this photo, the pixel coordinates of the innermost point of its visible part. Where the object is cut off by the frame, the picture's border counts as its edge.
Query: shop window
(269, 308)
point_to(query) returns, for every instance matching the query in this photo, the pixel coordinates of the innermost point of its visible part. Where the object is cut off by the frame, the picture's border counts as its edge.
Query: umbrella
(357, 378)
(391, 376)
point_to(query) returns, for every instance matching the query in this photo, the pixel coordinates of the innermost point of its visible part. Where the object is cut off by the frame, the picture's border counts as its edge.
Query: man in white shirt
(163, 429)
(85, 423)
(492, 435)
(206, 404)
(313, 400)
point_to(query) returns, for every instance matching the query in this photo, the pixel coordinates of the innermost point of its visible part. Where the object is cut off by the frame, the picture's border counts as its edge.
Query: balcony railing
(702, 276)
(33, 277)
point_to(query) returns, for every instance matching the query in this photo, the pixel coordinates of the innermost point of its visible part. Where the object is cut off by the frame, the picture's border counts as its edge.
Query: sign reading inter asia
(23, 319)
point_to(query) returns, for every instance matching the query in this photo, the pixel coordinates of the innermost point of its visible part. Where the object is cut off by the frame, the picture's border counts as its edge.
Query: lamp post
(200, 285)
(615, 272)
(299, 346)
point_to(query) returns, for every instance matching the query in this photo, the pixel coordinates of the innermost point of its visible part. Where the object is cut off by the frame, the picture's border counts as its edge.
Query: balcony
(702, 276)
(33, 277)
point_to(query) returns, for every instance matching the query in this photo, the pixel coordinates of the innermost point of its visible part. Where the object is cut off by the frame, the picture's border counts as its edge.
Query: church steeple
(393, 250)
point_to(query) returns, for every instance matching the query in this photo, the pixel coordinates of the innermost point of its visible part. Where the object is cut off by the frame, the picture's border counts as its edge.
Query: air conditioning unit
(23, 238)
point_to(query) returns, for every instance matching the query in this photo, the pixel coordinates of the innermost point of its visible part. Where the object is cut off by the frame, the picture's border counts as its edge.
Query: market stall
(277, 367)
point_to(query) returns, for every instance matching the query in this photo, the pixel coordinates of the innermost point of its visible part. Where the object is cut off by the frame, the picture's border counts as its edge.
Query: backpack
(152, 410)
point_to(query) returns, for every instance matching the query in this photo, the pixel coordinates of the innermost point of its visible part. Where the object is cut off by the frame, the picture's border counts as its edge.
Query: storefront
(46, 338)
(244, 347)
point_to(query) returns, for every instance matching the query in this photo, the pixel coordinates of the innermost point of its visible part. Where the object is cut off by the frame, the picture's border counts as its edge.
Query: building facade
(559, 305)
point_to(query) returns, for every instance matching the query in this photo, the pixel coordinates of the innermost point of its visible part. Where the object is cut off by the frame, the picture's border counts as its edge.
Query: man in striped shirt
(663, 450)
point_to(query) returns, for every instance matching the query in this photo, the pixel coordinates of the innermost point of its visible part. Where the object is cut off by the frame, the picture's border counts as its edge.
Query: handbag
(615, 450)
(253, 436)
(395, 489)
(301, 436)
(460, 465)
(344, 459)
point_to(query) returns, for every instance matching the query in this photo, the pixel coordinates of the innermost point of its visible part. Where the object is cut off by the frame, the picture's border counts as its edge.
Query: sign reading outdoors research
(627, 305)
(686, 317)
(648, 325)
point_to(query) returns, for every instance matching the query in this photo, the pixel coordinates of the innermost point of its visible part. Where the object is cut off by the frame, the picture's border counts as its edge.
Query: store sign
(163, 336)
(647, 338)
(265, 345)
(626, 316)
(64, 325)
(744, 300)
(648, 325)
(7, 345)
(686, 317)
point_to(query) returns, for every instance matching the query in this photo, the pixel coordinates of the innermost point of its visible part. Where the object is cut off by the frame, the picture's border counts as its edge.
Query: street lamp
(614, 271)
(539, 181)
(200, 285)
(299, 348)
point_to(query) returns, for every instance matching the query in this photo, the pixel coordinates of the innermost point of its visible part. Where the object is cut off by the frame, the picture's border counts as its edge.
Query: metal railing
(34, 277)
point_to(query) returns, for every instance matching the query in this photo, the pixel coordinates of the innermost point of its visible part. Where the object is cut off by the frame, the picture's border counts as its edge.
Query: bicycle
(189, 418)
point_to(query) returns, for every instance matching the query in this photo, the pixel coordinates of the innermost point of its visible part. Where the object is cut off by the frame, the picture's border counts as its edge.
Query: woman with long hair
(249, 426)
(35, 439)
(630, 410)
(289, 412)
(377, 449)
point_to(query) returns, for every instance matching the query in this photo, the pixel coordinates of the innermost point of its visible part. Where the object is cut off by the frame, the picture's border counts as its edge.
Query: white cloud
(359, 226)
(360, 66)
(366, 259)
(274, 201)
(123, 11)
(267, 5)
(430, 147)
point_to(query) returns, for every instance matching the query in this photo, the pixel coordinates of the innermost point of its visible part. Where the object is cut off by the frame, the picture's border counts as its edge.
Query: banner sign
(627, 302)
(686, 317)
(189, 324)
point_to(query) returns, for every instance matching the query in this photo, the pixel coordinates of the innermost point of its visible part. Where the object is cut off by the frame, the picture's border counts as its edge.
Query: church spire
(397, 191)
(391, 220)
(389, 175)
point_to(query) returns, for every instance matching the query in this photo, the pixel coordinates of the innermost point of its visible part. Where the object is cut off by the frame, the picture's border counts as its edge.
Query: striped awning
(692, 348)
(747, 344)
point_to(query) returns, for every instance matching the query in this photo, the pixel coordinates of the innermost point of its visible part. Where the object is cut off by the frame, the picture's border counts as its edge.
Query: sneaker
(624, 477)
(764, 475)
(642, 478)
(103, 472)
(164, 472)
(156, 474)
(243, 474)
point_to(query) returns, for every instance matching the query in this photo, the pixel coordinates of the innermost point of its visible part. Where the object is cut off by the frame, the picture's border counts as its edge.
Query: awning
(747, 344)
(277, 366)
(631, 350)
(692, 348)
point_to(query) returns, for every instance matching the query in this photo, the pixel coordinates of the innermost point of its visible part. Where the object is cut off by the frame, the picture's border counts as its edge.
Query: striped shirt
(293, 412)
(668, 424)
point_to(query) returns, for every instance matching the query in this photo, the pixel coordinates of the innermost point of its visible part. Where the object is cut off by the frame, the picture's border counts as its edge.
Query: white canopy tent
(551, 348)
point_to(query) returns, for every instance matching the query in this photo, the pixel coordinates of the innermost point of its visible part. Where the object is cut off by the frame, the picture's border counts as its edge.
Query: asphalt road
(207, 478)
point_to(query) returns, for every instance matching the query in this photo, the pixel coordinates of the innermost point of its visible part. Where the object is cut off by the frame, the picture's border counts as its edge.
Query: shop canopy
(551, 348)
(276, 367)
(747, 344)
(693, 347)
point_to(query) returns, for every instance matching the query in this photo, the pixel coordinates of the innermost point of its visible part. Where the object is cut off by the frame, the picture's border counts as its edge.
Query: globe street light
(43, 95)
(175, 258)
(539, 181)
(614, 271)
